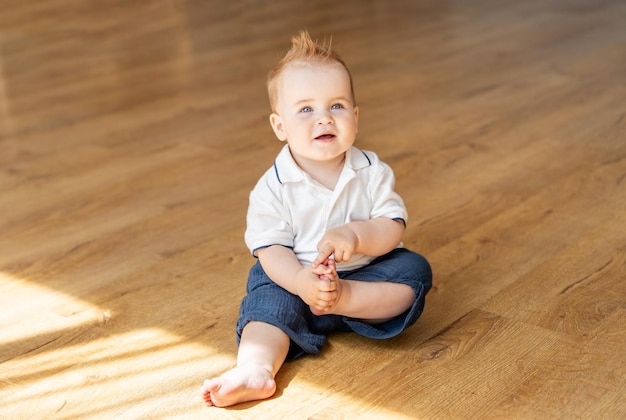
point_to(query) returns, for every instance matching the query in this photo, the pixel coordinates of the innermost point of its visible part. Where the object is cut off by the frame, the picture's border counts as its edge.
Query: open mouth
(325, 137)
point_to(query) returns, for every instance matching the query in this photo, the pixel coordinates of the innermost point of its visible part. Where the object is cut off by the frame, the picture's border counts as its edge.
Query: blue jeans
(267, 302)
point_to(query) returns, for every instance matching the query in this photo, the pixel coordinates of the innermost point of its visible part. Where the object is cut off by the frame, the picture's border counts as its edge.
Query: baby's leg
(375, 302)
(262, 351)
(386, 288)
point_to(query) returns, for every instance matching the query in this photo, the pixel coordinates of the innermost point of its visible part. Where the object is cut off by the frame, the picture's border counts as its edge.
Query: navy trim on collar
(287, 170)
(277, 175)
(367, 157)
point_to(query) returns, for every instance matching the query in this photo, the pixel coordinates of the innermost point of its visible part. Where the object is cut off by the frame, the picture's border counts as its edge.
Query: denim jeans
(267, 302)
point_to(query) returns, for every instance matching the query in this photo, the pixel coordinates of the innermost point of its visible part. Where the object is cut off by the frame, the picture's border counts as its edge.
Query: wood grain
(132, 132)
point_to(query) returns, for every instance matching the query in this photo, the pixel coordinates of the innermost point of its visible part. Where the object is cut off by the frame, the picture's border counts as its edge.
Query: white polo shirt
(289, 208)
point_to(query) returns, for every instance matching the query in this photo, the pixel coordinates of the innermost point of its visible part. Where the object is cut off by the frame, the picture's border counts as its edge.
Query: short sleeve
(385, 201)
(268, 220)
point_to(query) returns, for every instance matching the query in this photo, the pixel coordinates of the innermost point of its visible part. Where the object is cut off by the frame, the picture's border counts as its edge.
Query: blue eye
(336, 106)
(306, 109)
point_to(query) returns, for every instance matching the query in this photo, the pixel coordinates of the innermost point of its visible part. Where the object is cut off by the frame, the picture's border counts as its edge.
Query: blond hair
(303, 48)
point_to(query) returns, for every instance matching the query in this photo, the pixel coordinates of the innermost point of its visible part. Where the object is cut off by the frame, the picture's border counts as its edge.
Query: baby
(326, 226)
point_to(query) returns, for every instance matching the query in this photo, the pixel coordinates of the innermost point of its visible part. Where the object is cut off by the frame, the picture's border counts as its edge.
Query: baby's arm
(313, 286)
(373, 237)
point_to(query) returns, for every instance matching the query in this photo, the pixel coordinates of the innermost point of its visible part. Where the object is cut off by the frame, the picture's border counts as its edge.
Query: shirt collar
(287, 170)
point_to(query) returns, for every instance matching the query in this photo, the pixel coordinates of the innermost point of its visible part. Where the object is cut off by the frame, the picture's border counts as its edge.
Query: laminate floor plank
(132, 133)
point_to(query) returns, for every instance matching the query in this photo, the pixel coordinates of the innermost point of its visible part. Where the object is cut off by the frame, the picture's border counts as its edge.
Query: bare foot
(239, 384)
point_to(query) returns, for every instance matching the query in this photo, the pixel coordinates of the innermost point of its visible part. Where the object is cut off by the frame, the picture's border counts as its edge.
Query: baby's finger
(340, 255)
(321, 270)
(332, 283)
(343, 255)
(324, 298)
(326, 285)
(325, 251)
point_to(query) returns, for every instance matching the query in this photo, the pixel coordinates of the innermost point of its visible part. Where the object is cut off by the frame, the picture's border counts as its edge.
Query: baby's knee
(418, 268)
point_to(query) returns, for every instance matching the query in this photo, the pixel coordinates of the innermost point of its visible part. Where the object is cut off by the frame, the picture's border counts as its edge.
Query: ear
(356, 117)
(277, 126)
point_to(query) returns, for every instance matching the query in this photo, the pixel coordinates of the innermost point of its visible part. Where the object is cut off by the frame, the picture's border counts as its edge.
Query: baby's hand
(327, 266)
(319, 287)
(339, 242)
(329, 287)
(317, 291)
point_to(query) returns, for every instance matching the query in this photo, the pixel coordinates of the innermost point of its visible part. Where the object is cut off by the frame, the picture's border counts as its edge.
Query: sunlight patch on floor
(67, 358)
(137, 375)
(63, 352)
(36, 310)
(333, 404)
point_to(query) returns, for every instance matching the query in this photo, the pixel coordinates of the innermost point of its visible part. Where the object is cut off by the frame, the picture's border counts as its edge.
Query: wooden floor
(132, 132)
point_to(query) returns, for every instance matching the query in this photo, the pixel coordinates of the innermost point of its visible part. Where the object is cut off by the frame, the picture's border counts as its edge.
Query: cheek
(350, 124)
(298, 125)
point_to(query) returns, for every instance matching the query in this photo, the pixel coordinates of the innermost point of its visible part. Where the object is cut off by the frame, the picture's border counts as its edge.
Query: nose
(325, 118)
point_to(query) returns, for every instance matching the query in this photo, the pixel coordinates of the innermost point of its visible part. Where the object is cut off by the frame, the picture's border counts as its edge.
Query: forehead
(306, 78)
